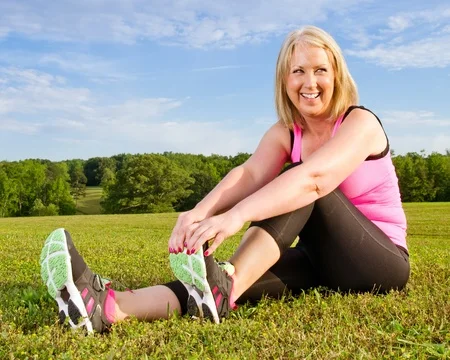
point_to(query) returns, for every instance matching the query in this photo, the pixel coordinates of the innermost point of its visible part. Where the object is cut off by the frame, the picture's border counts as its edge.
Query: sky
(87, 78)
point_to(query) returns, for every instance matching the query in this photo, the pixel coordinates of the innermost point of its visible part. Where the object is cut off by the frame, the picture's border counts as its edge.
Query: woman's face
(310, 82)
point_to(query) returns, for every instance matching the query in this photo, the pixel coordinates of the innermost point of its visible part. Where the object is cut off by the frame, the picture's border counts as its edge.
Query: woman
(340, 196)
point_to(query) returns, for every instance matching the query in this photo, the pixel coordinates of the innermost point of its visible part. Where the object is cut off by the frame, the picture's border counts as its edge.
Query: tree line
(151, 183)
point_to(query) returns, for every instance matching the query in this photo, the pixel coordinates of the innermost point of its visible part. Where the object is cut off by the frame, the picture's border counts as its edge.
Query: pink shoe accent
(218, 298)
(84, 293)
(109, 308)
(214, 290)
(232, 298)
(90, 305)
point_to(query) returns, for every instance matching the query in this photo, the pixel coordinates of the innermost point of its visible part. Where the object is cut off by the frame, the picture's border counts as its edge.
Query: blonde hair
(345, 90)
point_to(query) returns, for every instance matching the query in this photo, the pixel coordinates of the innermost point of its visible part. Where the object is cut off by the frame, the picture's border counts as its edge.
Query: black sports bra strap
(386, 150)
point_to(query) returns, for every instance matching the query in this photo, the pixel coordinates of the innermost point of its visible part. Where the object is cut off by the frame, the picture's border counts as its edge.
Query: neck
(319, 127)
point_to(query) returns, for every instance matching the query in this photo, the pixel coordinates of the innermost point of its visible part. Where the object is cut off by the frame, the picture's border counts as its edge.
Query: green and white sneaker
(79, 292)
(208, 284)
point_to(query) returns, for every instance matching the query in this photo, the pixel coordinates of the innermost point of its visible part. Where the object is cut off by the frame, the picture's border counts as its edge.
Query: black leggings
(338, 248)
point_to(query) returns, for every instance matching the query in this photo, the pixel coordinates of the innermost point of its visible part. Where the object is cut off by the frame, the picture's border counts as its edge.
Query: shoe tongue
(227, 267)
(97, 283)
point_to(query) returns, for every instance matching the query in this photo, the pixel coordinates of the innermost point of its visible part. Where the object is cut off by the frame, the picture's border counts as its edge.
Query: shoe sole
(56, 272)
(191, 271)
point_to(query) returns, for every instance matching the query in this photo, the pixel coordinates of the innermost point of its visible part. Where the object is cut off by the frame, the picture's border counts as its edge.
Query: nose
(310, 80)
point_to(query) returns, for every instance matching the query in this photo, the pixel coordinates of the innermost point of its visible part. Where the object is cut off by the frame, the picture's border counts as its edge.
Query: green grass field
(411, 324)
(90, 203)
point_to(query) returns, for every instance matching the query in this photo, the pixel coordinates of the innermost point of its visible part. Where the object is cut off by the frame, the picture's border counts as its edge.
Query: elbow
(319, 185)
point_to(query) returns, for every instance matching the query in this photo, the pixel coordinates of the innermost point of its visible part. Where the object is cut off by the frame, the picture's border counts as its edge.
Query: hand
(216, 228)
(187, 223)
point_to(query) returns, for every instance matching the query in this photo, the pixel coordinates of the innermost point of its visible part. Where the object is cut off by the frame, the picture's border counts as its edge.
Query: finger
(189, 233)
(177, 238)
(207, 235)
(196, 234)
(218, 240)
(174, 243)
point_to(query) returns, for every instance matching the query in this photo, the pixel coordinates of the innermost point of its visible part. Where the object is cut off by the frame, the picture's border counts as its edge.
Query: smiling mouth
(310, 96)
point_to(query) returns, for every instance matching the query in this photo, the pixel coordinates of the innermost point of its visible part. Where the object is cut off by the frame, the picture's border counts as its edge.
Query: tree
(58, 189)
(8, 193)
(94, 169)
(77, 178)
(146, 183)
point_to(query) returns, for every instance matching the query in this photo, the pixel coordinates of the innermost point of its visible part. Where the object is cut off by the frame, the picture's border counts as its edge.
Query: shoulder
(276, 139)
(280, 134)
(364, 124)
(360, 114)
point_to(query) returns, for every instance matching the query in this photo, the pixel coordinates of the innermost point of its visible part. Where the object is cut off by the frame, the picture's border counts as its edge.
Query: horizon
(98, 79)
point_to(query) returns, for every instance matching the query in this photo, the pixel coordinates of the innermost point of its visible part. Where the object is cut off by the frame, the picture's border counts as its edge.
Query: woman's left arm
(359, 136)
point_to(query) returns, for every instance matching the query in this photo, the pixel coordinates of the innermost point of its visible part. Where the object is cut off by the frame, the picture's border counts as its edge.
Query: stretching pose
(340, 196)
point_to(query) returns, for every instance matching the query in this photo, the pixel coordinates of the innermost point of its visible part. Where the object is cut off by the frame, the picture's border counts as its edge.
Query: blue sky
(87, 78)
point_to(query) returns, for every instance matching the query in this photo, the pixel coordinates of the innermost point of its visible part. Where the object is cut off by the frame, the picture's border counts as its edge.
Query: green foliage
(78, 179)
(35, 187)
(39, 209)
(423, 178)
(146, 183)
(94, 169)
(319, 324)
(60, 186)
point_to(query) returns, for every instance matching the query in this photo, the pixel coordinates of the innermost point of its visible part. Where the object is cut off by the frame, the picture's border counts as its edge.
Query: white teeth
(311, 96)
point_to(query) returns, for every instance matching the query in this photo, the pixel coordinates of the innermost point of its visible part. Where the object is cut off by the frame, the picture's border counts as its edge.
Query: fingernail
(206, 253)
(170, 250)
(180, 250)
(185, 244)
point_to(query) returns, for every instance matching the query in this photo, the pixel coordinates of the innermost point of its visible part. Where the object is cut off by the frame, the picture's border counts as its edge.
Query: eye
(297, 71)
(321, 70)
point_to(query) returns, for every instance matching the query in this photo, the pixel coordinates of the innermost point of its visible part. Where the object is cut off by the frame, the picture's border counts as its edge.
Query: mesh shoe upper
(221, 285)
(92, 290)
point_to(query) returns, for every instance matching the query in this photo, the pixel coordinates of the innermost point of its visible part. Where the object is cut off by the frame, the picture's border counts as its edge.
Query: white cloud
(97, 69)
(409, 118)
(399, 23)
(223, 23)
(58, 105)
(435, 17)
(31, 91)
(425, 53)
(415, 39)
(15, 126)
(74, 117)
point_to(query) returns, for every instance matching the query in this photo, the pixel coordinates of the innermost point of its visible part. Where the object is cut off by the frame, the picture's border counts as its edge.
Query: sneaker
(208, 285)
(79, 292)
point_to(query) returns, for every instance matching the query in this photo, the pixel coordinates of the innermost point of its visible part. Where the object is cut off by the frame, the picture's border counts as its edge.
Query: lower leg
(151, 303)
(257, 252)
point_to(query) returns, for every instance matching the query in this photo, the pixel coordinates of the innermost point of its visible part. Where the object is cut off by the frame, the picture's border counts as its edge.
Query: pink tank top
(372, 188)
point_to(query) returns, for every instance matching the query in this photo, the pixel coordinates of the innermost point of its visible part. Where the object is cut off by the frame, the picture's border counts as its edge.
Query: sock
(110, 306)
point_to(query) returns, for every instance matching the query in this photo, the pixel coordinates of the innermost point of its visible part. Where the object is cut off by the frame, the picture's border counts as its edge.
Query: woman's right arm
(261, 168)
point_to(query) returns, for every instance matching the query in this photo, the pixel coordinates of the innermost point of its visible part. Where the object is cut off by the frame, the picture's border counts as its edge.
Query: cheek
(292, 85)
(328, 86)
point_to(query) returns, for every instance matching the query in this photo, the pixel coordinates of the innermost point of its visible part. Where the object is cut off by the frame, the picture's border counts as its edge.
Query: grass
(90, 203)
(411, 324)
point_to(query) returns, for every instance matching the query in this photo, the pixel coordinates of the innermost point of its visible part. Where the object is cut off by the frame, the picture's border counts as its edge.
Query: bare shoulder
(273, 150)
(279, 133)
(362, 116)
(364, 125)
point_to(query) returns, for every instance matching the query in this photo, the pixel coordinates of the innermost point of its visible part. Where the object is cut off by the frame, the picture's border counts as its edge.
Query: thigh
(292, 273)
(351, 252)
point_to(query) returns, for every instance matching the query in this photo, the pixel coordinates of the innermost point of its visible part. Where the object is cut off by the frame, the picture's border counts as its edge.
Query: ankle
(110, 306)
